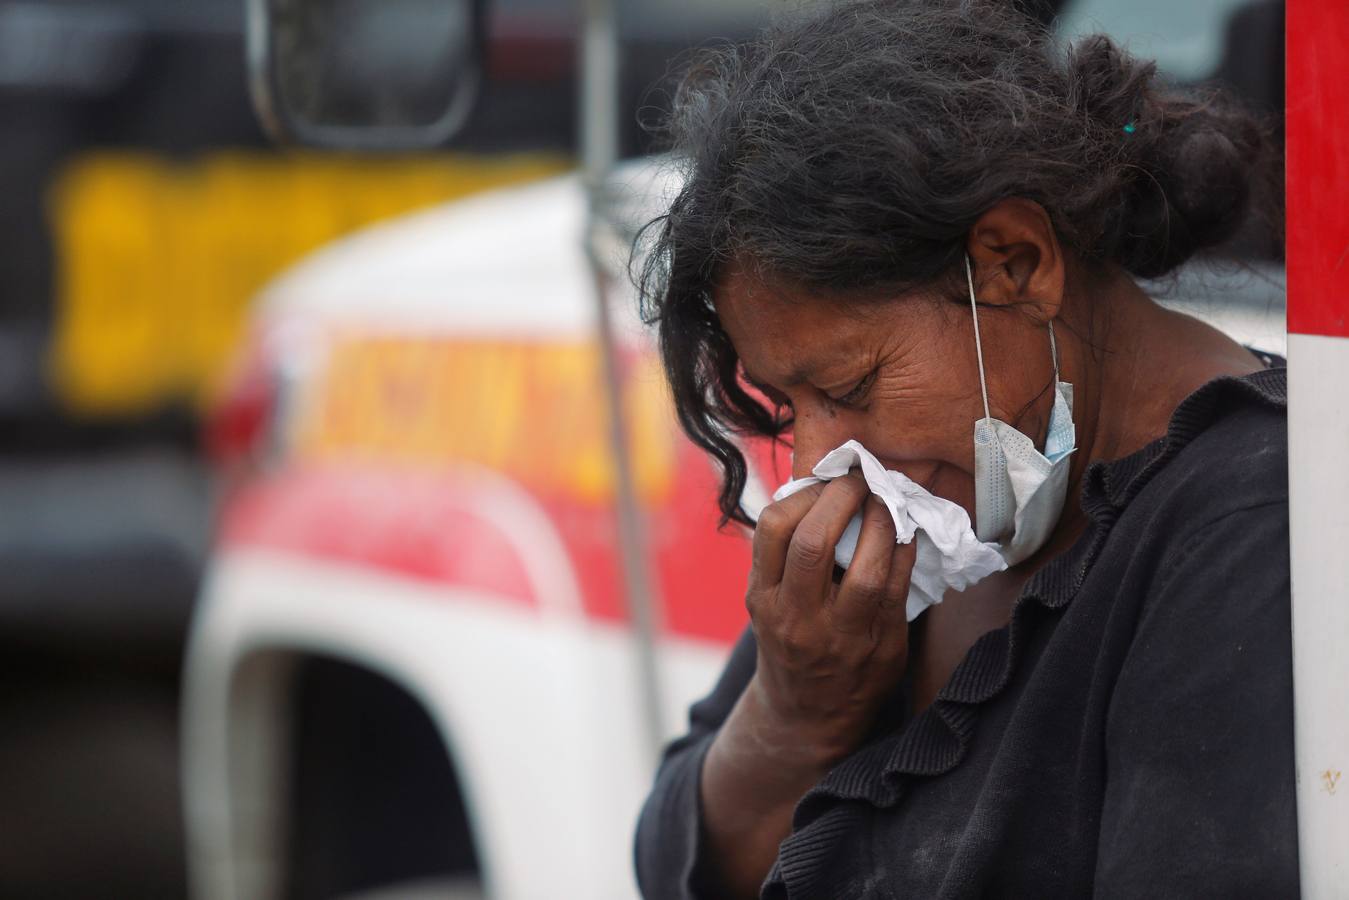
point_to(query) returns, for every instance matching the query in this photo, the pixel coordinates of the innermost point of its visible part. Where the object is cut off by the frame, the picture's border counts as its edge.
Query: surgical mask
(1019, 491)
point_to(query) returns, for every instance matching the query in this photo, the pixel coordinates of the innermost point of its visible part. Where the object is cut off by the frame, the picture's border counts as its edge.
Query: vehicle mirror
(365, 74)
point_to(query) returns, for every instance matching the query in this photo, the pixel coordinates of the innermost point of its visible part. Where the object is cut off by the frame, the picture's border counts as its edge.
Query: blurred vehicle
(424, 661)
(143, 210)
(437, 477)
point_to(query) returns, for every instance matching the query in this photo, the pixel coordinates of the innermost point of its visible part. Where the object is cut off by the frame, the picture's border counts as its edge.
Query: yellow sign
(533, 411)
(156, 262)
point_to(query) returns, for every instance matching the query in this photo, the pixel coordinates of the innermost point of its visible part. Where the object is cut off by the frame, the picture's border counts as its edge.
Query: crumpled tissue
(949, 554)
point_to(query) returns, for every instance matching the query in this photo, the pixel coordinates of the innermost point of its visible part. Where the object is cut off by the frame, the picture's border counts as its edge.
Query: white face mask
(1019, 491)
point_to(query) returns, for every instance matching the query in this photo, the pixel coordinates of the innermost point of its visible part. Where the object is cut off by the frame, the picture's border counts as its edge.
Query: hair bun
(1185, 165)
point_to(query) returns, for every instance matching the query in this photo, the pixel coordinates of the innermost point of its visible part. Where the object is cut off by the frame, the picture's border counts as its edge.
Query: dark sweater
(1128, 734)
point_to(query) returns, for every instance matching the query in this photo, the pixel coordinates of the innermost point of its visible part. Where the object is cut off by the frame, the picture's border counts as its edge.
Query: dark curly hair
(851, 148)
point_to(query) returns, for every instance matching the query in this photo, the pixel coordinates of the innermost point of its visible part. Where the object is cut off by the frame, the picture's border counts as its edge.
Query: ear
(1017, 259)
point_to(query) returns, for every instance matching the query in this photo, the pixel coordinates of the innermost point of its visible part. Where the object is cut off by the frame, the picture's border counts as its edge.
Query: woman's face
(898, 374)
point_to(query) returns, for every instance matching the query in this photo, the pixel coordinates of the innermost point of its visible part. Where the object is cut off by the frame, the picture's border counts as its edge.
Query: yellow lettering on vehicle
(534, 412)
(157, 262)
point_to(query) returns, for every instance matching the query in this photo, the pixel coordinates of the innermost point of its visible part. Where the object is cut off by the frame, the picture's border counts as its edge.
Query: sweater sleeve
(1199, 798)
(669, 841)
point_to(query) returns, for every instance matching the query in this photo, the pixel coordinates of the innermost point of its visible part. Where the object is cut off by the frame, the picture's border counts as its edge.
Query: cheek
(921, 438)
(957, 486)
(944, 467)
(926, 413)
(935, 449)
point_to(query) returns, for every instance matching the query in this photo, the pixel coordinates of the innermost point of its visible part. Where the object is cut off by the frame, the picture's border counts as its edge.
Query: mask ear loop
(978, 345)
(1054, 352)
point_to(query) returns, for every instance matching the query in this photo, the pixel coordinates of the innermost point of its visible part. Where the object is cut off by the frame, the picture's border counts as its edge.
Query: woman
(900, 219)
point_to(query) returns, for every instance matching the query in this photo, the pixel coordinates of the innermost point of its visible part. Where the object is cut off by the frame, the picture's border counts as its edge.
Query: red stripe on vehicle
(420, 524)
(1318, 167)
(407, 523)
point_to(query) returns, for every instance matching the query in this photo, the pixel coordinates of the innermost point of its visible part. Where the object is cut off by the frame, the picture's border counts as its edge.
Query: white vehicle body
(534, 693)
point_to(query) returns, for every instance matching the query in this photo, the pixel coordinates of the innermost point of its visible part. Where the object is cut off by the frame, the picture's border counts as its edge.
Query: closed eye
(858, 392)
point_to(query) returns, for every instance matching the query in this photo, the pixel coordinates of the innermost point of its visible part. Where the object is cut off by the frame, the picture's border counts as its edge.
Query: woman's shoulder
(1206, 653)
(1202, 514)
(1231, 443)
(1197, 536)
(1225, 453)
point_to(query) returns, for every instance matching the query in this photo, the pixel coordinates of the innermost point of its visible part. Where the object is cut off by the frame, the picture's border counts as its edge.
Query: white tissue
(949, 555)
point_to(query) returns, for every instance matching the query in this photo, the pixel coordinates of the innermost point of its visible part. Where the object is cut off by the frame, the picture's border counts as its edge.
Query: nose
(814, 434)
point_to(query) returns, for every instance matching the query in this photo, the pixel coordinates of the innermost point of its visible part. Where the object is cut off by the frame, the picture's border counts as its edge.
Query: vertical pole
(599, 151)
(599, 92)
(1318, 432)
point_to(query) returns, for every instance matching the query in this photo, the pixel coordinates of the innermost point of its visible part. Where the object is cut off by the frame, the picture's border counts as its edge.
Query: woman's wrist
(811, 742)
(755, 772)
(758, 741)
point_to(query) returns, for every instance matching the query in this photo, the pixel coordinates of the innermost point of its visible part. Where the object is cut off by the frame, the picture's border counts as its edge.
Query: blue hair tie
(1131, 127)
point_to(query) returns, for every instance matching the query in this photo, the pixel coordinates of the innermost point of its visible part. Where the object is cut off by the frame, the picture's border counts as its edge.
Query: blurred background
(142, 215)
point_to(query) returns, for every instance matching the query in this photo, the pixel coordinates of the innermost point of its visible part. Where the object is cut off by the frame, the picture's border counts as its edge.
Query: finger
(810, 556)
(773, 533)
(864, 586)
(893, 606)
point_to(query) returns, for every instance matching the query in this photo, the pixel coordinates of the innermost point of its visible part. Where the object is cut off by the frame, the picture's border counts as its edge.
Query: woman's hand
(828, 656)
(828, 653)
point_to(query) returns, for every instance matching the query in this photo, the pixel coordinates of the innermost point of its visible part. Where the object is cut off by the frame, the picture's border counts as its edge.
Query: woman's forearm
(755, 772)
